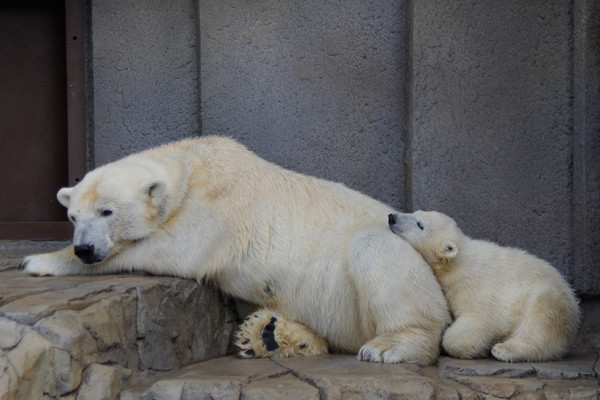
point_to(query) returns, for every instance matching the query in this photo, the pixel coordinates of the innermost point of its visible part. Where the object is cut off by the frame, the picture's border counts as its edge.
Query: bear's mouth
(87, 254)
(91, 259)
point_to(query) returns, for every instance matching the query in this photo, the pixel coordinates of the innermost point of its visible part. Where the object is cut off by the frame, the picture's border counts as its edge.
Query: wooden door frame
(76, 126)
(76, 110)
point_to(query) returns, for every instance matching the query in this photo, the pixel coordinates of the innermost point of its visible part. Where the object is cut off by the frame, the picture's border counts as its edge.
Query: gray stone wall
(145, 75)
(487, 111)
(315, 86)
(586, 146)
(492, 120)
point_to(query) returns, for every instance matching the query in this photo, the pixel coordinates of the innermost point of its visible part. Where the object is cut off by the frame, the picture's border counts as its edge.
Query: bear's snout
(86, 253)
(392, 219)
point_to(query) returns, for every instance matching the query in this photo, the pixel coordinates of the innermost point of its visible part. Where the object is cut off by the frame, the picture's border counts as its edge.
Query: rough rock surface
(88, 337)
(344, 377)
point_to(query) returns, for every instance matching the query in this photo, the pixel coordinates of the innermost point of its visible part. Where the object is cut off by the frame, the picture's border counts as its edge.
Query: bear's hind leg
(544, 331)
(269, 334)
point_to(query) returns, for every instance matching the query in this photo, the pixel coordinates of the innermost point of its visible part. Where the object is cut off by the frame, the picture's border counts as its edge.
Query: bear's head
(114, 206)
(435, 235)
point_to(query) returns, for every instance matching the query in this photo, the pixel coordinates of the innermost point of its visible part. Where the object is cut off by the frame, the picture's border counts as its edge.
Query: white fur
(208, 207)
(503, 299)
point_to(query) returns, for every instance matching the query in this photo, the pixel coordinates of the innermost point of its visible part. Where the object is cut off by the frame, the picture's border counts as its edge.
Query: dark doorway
(34, 120)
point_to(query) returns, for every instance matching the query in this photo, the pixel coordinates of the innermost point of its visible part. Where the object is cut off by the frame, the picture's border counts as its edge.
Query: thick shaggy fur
(503, 299)
(309, 251)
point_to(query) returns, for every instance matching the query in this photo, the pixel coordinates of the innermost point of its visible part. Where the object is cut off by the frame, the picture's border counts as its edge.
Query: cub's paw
(269, 334)
(514, 350)
(501, 352)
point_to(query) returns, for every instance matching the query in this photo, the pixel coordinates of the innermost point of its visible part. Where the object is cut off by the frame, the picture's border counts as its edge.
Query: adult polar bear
(310, 251)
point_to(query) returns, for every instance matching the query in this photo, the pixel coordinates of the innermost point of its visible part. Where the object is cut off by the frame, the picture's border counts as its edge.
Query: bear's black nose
(84, 251)
(392, 219)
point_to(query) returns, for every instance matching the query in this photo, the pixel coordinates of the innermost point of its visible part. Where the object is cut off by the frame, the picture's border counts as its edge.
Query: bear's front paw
(269, 334)
(414, 345)
(39, 264)
(381, 351)
(58, 263)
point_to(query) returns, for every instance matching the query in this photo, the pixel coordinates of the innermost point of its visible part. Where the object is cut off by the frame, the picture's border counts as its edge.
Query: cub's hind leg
(267, 333)
(545, 330)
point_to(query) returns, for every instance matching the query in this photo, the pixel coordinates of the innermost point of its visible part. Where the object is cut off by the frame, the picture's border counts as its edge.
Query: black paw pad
(268, 335)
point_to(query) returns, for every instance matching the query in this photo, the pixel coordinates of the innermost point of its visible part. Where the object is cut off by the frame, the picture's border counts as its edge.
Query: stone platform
(344, 377)
(135, 337)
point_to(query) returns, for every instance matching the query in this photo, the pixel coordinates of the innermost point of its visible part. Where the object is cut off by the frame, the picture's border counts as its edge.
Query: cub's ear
(64, 196)
(448, 251)
(156, 190)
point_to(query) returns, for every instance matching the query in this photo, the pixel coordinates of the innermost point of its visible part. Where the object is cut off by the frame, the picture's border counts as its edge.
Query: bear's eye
(420, 225)
(72, 218)
(106, 213)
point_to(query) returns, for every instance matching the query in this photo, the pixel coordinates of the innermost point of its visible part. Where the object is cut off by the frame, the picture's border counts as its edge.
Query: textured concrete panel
(586, 149)
(492, 121)
(145, 72)
(314, 86)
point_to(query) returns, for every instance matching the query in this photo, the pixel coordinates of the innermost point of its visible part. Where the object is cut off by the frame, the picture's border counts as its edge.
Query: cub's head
(112, 207)
(433, 234)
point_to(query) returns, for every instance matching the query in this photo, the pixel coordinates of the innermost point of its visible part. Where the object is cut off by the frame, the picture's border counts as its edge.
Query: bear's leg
(62, 262)
(65, 262)
(544, 331)
(468, 337)
(269, 334)
(401, 305)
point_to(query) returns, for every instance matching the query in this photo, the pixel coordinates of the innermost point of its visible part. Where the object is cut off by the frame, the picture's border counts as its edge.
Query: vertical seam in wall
(199, 65)
(88, 52)
(578, 228)
(409, 110)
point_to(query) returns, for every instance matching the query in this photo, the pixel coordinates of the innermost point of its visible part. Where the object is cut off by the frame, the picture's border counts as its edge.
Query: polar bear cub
(501, 298)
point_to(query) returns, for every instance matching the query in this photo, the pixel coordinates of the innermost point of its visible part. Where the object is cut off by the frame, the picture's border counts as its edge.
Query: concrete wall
(145, 75)
(488, 111)
(492, 120)
(586, 146)
(497, 139)
(315, 86)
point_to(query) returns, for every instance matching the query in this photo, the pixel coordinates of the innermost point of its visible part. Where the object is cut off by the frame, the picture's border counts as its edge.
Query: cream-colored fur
(502, 299)
(313, 251)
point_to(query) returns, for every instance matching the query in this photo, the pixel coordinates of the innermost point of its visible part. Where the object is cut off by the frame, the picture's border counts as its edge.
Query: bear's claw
(255, 338)
(269, 334)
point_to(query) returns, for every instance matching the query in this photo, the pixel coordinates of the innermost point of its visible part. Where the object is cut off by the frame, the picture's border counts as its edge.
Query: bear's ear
(64, 196)
(448, 251)
(156, 190)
